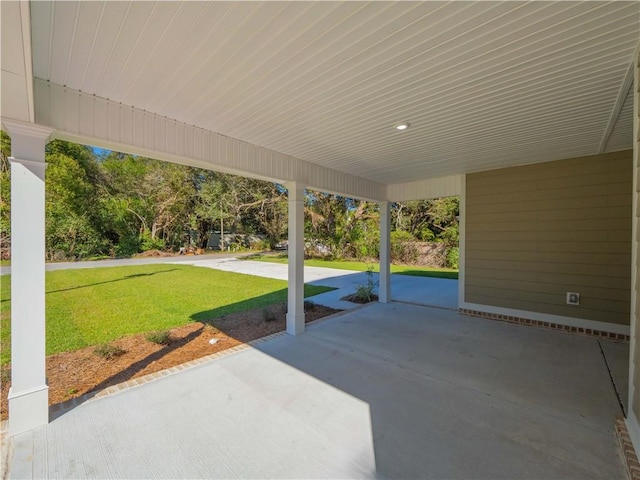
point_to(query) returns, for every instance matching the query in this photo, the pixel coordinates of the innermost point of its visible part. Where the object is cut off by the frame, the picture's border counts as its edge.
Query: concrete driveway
(386, 391)
(436, 292)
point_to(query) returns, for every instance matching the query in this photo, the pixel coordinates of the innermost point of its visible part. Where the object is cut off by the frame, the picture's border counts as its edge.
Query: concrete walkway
(437, 292)
(386, 391)
(123, 262)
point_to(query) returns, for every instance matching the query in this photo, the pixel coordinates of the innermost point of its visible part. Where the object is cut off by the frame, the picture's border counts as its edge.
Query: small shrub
(453, 257)
(268, 315)
(108, 351)
(237, 246)
(365, 292)
(128, 246)
(162, 337)
(261, 245)
(148, 243)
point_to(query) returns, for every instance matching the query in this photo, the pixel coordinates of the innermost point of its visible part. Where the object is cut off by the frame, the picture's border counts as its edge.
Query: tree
(241, 205)
(348, 227)
(214, 202)
(428, 220)
(146, 203)
(72, 231)
(270, 211)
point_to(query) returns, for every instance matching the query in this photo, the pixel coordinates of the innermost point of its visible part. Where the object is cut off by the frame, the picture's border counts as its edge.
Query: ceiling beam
(91, 120)
(617, 107)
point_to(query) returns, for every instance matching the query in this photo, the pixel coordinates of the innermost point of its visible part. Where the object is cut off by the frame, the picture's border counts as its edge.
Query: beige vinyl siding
(538, 231)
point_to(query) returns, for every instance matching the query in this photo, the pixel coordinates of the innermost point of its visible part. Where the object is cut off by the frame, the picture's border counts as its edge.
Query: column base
(295, 323)
(384, 293)
(28, 409)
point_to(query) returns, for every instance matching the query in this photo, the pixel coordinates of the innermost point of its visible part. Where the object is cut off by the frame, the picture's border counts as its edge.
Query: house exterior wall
(535, 232)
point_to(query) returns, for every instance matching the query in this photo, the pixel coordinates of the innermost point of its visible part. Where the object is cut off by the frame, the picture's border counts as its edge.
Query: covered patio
(387, 391)
(529, 111)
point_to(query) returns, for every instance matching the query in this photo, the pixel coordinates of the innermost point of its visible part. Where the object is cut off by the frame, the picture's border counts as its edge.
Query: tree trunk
(221, 234)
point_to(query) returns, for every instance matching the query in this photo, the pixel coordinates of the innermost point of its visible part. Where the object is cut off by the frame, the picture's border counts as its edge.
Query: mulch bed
(73, 374)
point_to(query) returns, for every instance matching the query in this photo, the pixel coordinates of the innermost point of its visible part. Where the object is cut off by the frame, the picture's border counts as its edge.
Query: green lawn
(362, 266)
(94, 306)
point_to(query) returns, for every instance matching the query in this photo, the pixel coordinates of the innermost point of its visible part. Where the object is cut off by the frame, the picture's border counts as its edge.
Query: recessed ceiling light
(402, 125)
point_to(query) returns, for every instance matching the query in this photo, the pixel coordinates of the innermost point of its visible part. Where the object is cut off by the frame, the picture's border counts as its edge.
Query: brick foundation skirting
(540, 323)
(628, 452)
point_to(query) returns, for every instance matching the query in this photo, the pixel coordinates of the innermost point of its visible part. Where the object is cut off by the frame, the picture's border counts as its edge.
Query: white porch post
(295, 309)
(28, 396)
(384, 288)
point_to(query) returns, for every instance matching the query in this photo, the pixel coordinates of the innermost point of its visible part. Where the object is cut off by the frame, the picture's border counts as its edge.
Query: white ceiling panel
(483, 84)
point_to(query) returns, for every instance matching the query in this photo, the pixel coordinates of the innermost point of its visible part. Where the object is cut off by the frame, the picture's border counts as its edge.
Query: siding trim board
(555, 322)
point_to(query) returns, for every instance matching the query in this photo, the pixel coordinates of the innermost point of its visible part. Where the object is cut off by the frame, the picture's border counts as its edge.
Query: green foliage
(161, 337)
(347, 228)
(72, 237)
(453, 257)
(429, 220)
(426, 234)
(147, 242)
(365, 292)
(260, 245)
(129, 245)
(71, 231)
(108, 351)
(146, 198)
(228, 203)
(5, 194)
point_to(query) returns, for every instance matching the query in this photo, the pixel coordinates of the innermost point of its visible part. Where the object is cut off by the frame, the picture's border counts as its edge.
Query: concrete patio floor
(386, 391)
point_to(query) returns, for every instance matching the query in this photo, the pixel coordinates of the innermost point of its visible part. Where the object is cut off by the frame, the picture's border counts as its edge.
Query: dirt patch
(73, 374)
(154, 254)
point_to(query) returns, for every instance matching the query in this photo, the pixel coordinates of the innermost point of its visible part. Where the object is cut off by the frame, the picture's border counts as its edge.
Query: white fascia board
(91, 120)
(425, 189)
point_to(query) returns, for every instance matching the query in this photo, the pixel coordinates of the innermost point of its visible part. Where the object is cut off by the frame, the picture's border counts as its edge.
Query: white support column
(384, 288)
(295, 309)
(462, 241)
(28, 396)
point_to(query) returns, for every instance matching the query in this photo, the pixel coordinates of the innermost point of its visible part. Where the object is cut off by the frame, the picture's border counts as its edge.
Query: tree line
(109, 204)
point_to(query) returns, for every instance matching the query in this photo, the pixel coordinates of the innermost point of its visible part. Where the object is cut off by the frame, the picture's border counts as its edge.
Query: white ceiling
(483, 84)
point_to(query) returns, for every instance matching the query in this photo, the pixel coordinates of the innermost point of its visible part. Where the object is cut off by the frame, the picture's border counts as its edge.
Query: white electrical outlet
(573, 298)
